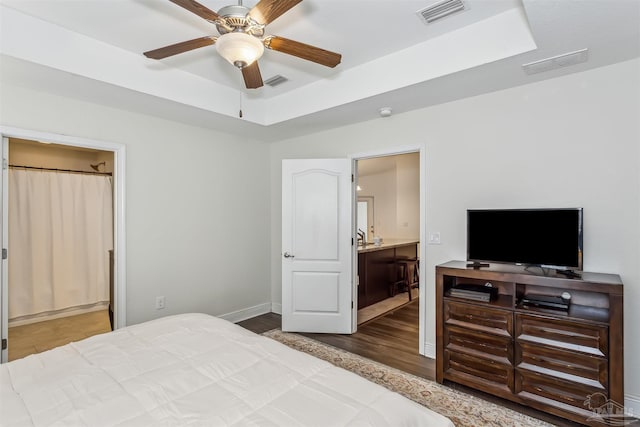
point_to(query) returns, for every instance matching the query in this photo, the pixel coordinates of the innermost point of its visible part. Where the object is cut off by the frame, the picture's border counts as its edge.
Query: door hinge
(5, 165)
(4, 343)
(353, 179)
(352, 241)
(351, 305)
(4, 253)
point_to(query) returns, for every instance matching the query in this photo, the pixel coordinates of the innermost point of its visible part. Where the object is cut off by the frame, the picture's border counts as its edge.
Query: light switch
(434, 238)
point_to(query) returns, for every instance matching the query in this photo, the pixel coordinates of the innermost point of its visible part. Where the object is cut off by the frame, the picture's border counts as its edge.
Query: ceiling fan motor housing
(235, 18)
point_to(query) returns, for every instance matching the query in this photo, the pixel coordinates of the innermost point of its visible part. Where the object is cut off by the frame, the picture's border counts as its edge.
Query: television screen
(541, 237)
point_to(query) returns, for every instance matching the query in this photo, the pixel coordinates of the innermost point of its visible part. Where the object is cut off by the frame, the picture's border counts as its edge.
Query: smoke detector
(385, 111)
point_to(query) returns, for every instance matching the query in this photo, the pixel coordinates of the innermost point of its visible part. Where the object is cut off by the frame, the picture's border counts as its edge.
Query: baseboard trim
(276, 308)
(58, 314)
(247, 313)
(429, 350)
(632, 405)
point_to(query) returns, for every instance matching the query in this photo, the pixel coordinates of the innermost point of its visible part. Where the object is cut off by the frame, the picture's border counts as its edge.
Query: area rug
(463, 409)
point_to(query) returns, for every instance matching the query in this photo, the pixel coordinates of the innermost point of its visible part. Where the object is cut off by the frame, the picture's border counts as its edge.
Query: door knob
(288, 255)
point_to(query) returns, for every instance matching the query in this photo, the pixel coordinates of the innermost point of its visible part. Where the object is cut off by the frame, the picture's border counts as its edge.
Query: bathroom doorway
(103, 164)
(60, 237)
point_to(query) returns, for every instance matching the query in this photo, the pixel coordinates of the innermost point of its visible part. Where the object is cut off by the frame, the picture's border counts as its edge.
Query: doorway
(390, 201)
(61, 234)
(103, 156)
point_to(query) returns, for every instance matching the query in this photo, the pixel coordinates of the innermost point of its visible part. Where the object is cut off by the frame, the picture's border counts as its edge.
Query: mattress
(193, 369)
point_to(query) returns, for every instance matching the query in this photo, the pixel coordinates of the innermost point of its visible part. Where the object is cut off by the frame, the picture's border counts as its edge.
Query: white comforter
(193, 369)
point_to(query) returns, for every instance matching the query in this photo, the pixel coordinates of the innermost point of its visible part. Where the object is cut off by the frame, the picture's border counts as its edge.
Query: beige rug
(463, 409)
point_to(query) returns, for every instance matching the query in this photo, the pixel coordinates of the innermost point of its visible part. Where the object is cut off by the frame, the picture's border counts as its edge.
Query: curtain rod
(61, 170)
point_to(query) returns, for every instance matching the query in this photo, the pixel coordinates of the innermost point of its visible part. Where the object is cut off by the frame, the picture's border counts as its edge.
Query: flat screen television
(550, 238)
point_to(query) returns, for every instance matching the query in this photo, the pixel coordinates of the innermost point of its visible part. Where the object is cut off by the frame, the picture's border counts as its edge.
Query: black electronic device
(474, 292)
(545, 301)
(549, 238)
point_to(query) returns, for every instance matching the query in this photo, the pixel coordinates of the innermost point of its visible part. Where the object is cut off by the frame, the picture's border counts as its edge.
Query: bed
(193, 369)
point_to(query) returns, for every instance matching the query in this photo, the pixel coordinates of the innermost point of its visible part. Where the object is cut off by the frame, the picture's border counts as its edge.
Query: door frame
(119, 237)
(385, 152)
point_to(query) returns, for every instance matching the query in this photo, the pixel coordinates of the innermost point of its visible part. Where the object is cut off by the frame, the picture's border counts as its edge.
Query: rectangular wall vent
(554, 62)
(442, 9)
(276, 80)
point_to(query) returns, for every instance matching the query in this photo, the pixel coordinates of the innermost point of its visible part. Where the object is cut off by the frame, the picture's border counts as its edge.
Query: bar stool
(409, 276)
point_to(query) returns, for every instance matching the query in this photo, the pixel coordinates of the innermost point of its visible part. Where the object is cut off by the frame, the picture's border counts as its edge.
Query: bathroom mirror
(365, 218)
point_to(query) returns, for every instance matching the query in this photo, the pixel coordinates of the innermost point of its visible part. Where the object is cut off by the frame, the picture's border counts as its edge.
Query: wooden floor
(393, 340)
(41, 336)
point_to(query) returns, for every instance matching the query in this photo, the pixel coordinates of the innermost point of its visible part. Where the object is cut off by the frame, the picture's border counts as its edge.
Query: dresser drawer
(562, 333)
(485, 373)
(496, 347)
(551, 391)
(579, 368)
(479, 318)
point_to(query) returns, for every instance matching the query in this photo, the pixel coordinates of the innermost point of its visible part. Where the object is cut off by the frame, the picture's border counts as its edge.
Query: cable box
(545, 301)
(474, 292)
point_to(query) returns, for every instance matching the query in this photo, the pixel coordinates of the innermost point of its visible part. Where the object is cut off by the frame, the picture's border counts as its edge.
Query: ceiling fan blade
(252, 76)
(304, 51)
(200, 10)
(267, 11)
(177, 48)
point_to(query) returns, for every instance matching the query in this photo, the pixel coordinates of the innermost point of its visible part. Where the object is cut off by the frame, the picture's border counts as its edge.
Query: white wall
(408, 196)
(382, 187)
(394, 183)
(569, 141)
(197, 204)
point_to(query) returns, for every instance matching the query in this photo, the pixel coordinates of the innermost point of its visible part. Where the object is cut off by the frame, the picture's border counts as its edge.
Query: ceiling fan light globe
(239, 49)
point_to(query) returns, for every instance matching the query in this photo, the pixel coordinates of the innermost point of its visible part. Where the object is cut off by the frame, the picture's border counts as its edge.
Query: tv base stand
(553, 358)
(478, 265)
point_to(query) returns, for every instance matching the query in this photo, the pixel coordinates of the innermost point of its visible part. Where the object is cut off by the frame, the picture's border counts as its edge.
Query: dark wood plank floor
(393, 340)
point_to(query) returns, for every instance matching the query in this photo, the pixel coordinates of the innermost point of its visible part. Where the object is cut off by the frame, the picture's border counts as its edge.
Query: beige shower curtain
(60, 232)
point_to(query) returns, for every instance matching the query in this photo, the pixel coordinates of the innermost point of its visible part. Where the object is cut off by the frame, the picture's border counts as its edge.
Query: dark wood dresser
(561, 361)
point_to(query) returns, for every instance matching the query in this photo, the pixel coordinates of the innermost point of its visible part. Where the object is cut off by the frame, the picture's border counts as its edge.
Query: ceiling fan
(241, 40)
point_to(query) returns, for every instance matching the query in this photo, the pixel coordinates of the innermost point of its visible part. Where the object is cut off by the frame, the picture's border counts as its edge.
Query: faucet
(362, 237)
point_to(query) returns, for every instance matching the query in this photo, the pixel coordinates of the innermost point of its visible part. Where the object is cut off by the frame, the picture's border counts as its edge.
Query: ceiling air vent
(554, 62)
(276, 80)
(440, 10)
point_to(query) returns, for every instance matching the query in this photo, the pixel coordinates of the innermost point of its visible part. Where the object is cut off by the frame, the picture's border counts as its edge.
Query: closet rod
(61, 170)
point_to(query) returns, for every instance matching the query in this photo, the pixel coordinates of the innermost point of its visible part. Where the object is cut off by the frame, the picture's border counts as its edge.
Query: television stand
(478, 265)
(531, 343)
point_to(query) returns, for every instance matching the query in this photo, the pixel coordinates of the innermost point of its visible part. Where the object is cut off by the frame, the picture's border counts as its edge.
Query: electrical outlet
(434, 238)
(159, 303)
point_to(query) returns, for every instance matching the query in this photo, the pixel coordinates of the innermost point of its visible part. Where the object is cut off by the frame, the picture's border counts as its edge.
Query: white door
(4, 240)
(317, 291)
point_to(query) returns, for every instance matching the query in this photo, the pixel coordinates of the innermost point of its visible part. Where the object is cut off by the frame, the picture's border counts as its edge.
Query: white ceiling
(92, 50)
